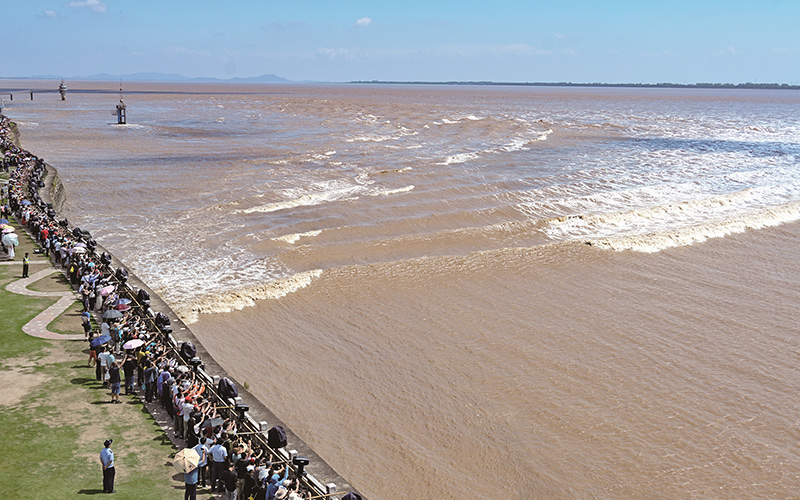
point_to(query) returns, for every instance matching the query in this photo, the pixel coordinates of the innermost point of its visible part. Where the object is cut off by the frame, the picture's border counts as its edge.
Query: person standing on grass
(129, 367)
(86, 321)
(114, 381)
(191, 478)
(149, 381)
(107, 461)
(26, 262)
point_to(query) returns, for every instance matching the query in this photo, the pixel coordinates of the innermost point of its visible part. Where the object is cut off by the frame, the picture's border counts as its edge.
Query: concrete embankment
(323, 476)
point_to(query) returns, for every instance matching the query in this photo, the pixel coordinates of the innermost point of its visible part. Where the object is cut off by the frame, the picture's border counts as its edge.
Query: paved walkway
(37, 327)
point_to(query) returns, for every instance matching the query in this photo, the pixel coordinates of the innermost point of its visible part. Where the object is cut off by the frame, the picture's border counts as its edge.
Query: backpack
(276, 437)
(227, 389)
(188, 350)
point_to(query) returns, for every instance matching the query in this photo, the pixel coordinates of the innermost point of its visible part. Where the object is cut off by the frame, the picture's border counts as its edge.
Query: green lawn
(56, 415)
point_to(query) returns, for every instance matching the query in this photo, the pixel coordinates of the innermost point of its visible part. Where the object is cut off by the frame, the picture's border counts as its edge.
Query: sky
(644, 41)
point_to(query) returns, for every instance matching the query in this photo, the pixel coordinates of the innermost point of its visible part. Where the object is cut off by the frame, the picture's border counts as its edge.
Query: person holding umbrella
(187, 461)
(107, 461)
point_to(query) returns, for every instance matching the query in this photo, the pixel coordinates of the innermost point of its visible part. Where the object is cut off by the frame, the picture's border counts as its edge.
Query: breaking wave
(293, 238)
(235, 300)
(655, 242)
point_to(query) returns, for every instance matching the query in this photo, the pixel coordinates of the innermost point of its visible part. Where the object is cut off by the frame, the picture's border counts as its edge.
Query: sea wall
(258, 418)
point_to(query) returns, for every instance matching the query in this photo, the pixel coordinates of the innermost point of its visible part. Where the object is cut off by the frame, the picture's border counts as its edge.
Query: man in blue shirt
(275, 482)
(107, 460)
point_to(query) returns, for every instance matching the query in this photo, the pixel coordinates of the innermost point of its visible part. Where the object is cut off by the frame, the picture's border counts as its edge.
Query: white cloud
(93, 5)
(658, 53)
(183, 51)
(730, 51)
(332, 53)
(50, 14)
(560, 36)
(364, 21)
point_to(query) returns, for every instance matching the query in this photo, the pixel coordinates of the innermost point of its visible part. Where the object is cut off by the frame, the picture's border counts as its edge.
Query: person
(186, 414)
(107, 460)
(86, 320)
(219, 456)
(249, 487)
(128, 368)
(276, 482)
(149, 381)
(26, 262)
(230, 481)
(202, 449)
(102, 366)
(93, 354)
(114, 381)
(190, 478)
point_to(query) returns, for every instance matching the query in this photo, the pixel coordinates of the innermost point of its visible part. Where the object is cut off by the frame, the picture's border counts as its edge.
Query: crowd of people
(129, 343)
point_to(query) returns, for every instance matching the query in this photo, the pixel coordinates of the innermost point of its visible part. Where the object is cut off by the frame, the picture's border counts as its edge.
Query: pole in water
(31, 95)
(122, 112)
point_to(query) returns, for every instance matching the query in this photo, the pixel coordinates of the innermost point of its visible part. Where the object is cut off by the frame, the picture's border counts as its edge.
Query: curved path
(37, 327)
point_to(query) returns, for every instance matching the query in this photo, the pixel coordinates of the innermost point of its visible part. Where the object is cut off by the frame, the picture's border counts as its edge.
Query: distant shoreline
(781, 86)
(274, 80)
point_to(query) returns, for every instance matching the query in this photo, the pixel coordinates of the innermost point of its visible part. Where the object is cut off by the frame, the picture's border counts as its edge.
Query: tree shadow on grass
(84, 380)
(163, 439)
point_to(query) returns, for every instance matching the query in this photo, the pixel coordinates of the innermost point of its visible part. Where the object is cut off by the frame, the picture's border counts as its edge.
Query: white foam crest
(134, 126)
(324, 192)
(235, 300)
(650, 219)
(371, 138)
(459, 158)
(515, 144)
(655, 242)
(388, 192)
(295, 237)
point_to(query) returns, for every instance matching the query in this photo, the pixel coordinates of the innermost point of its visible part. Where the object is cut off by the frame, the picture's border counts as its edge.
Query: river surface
(470, 292)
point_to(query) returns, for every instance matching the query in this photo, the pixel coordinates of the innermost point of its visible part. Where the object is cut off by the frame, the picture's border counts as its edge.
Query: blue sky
(645, 41)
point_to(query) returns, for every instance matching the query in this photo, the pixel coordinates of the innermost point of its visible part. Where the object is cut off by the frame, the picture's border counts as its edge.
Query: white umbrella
(10, 239)
(133, 344)
(78, 250)
(8, 229)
